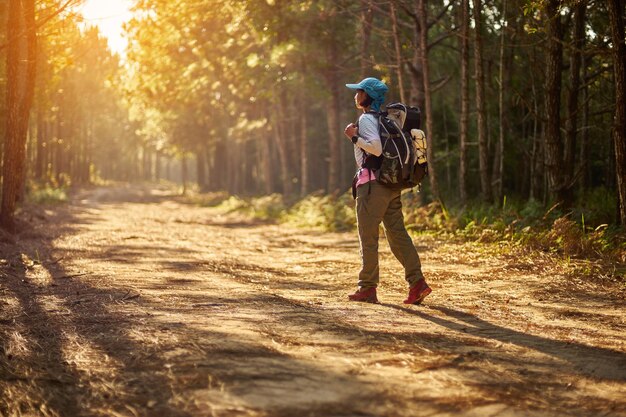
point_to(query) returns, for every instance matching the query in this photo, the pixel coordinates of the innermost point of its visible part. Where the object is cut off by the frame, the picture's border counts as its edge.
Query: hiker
(376, 203)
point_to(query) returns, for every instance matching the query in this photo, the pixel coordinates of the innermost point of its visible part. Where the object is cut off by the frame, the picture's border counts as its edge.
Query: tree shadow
(45, 367)
(83, 313)
(141, 377)
(586, 360)
(593, 294)
(207, 364)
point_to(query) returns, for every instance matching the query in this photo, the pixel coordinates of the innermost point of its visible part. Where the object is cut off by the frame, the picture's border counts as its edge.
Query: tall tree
(282, 138)
(415, 66)
(21, 72)
(464, 117)
(481, 111)
(397, 49)
(332, 123)
(432, 168)
(365, 33)
(573, 113)
(553, 77)
(498, 163)
(304, 143)
(616, 17)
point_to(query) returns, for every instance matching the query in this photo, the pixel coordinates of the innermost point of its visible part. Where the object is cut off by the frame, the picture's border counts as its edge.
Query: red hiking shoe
(367, 295)
(418, 292)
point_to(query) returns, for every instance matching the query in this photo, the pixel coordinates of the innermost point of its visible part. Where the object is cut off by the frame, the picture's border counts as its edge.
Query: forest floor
(129, 302)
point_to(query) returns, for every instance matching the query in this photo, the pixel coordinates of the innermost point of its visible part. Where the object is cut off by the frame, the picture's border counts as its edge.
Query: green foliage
(234, 204)
(45, 194)
(315, 211)
(597, 207)
(323, 212)
(528, 224)
(212, 199)
(432, 217)
(524, 224)
(270, 207)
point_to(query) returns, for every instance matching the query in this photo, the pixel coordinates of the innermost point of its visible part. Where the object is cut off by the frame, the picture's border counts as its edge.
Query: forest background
(243, 103)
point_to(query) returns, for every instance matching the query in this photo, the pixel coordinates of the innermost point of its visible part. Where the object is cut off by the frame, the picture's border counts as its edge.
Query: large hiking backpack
(403, 163)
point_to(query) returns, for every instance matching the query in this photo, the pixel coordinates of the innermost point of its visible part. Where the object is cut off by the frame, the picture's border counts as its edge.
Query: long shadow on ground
(121, 373)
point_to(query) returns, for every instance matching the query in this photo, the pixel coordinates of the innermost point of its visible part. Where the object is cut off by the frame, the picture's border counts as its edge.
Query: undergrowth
(315, 211)
(37, 193)
(527, 226)
(323, 212)
(581, 237)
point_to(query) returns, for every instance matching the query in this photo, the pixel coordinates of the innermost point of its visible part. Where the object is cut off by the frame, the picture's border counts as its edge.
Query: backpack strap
(370, 161)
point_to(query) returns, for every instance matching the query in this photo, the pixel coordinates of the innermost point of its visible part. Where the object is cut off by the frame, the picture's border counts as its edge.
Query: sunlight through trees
(248, 96)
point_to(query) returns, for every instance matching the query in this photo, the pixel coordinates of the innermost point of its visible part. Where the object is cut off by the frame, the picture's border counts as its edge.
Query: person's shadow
(586, 360)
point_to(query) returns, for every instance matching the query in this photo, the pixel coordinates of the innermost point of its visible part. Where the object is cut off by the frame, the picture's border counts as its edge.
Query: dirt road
(127, 302)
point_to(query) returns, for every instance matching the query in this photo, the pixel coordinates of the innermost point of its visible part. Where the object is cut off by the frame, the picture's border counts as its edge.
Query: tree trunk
(332, 118)
(585, 178)
(46, 156)
(464, 118)
(616, 10)
(573, 113)
(21, 71)
(200, 169)
(483, 147)
(183, 172)
(365, 28)
(144, 163)
(446, 135)
(220, 165)
(536, 158)
(281, 142)
(432, 172)
(41, 147)
(417, 74)
(498, 171)
(304, 145)
(58, 147)
(157, 165)
(239, 166)
(398, 50)
(230, 171)
(554, 66)
(267, 163)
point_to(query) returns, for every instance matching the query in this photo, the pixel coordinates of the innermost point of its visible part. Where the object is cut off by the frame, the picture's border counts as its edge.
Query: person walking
(376, 203)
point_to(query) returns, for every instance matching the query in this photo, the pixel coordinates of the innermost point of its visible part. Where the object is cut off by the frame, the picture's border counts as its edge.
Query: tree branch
(442, 37)
(440, 15)
(39, 24)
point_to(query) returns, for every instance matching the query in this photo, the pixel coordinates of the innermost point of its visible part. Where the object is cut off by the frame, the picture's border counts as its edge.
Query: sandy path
(130, 303)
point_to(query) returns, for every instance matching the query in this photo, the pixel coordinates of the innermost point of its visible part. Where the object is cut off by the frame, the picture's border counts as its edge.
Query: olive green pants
(376, 203)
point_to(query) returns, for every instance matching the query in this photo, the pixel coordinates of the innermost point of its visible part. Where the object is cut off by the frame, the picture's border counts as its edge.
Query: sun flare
(109, 16)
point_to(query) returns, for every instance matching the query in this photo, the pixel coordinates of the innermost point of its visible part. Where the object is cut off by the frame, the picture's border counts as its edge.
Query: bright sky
(109, 16)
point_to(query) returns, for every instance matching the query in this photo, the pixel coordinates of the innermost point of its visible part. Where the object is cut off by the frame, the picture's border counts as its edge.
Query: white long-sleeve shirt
(369, 143)
(369, 138)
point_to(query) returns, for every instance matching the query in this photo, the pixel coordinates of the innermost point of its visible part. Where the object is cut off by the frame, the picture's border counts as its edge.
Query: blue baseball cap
(374, 88)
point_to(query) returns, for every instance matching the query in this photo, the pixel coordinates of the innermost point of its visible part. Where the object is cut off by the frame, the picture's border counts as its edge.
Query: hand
(350, 130)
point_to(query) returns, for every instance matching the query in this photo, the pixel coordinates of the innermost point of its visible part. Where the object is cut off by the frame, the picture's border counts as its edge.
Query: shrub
(433, 216)
(270, 207)
(45, 194)
(323, 212)
(233, 204)
(566, 236)
(211, 199)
